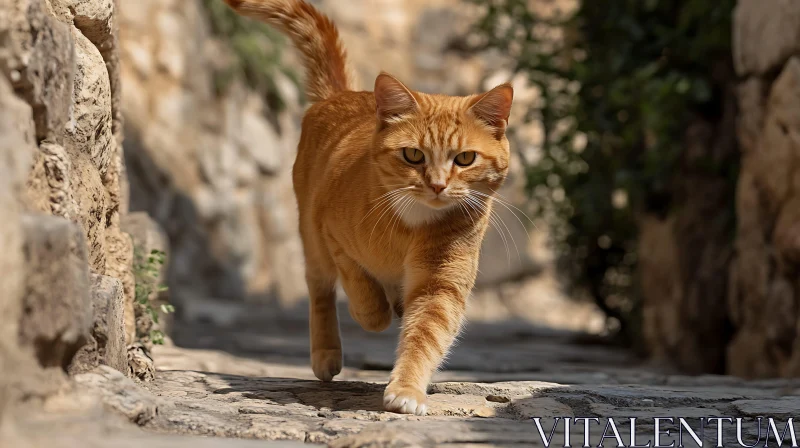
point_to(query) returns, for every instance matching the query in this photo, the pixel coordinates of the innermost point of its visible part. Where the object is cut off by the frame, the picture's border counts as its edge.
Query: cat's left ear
(494, 107)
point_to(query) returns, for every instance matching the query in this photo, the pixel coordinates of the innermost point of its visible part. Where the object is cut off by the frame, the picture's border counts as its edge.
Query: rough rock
(781, 408)
(120, 265)
(764, 300)
(55, 325)
(95, 18)
(37, 56)
(91, 130)
(107, 343)
(91, 208)
(15, 152)
(751, 96)
(140, 364)
(55, 179)
(765, 35)
(121, 394)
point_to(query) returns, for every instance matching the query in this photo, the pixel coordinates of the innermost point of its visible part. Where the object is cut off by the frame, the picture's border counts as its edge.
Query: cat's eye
(413, 156)
(466, 158)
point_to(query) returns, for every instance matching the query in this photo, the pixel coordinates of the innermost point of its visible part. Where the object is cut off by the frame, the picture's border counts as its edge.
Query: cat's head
(440, 151)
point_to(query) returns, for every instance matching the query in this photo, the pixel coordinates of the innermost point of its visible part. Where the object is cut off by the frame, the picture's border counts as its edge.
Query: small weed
(146, 272)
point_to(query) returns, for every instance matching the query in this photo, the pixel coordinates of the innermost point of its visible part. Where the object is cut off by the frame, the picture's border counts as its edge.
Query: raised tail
(314, 34)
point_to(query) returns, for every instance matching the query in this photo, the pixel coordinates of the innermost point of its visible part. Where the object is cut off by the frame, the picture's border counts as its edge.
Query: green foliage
(146, 271)
(619, 80)
(257, 51)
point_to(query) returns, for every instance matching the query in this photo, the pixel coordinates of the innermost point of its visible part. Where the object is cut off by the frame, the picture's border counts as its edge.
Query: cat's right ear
(393, 99)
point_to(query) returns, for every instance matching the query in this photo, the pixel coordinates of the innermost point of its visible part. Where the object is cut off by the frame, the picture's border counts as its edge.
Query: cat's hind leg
(366, 299)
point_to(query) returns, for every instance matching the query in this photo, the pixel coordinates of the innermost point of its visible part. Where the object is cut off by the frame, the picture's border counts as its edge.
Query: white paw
(405, 400)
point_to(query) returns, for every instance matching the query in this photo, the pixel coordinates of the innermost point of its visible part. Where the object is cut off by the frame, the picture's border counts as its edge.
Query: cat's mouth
(438, 202)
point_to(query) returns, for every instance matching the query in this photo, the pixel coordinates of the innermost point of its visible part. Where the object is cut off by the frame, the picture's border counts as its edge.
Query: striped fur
(372, 220)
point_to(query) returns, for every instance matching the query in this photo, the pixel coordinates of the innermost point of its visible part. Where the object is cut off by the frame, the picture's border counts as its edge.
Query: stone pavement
(250, 379)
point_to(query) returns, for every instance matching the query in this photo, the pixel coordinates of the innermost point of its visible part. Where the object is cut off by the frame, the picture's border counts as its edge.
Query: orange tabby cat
(394, 191)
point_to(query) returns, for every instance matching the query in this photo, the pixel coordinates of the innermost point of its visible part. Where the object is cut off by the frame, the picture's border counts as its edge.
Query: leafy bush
(619, 81)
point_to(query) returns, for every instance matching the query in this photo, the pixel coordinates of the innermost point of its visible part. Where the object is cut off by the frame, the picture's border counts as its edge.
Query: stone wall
(214, 169)
(66, 293)
(764, 301)
(728, 300)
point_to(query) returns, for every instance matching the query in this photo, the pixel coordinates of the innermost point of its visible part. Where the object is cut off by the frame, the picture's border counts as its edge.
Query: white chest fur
(416, 214)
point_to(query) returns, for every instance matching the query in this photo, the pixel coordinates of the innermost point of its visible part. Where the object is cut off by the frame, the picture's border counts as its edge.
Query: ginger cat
(395, 190)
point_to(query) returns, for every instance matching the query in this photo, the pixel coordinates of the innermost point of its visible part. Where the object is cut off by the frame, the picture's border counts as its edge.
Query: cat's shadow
(335, 396)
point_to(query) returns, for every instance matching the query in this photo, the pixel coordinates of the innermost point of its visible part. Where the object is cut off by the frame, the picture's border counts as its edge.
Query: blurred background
(653, 159)
(146, 150)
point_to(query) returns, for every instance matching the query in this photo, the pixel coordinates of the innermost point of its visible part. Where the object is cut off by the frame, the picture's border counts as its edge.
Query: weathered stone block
(107, 343)
(119, 264)
(14, 154)
(37, 54)
(95, 18)
(765, 34)
(763, 299)
(140, 364)
(57, 312)
(91, 133)
(121, 394)
(751, 95)
(91, 199)
(57, 170)
(777, 150)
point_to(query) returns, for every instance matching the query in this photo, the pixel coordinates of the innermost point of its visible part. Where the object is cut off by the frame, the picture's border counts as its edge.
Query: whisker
(510, 235)
(399, 208)
(383, 201)
(500, 219)
(392, 203)
(515, 216)
(464, 209)
(507, 202)
(399, 215)
(475, 205)
(396, 190)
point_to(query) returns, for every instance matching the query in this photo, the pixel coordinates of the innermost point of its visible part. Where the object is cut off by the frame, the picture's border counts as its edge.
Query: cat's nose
(438, 188)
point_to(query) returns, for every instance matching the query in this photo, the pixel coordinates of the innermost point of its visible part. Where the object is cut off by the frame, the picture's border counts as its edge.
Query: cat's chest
(385, 265)
(380, 251)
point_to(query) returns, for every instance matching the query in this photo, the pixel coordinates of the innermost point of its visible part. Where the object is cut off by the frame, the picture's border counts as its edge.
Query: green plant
(146, 271)
(257, 51)
(620, 80)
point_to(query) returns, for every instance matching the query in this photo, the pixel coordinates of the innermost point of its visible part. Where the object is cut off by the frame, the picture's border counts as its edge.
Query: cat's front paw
(405, 400)
(326, 364)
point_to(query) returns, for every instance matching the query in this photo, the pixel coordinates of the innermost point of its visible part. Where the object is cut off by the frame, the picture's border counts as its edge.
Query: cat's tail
(314, 34)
